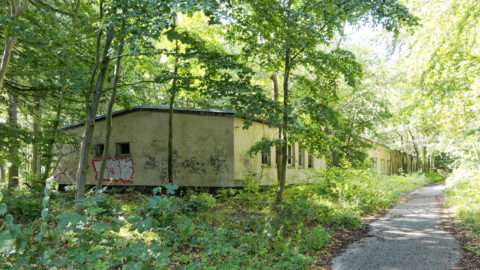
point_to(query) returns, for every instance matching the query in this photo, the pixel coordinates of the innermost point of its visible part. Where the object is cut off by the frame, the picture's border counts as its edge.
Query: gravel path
(409, 237)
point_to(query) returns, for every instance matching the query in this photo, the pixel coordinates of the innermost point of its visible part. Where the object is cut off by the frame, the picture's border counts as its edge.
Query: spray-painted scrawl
(119, 169)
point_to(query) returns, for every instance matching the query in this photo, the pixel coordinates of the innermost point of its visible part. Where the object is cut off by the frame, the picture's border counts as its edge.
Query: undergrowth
(232, 229)
(463, 192)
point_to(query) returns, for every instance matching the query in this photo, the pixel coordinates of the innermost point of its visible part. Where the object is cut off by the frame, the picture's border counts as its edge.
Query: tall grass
(359, 192)
(463, 192)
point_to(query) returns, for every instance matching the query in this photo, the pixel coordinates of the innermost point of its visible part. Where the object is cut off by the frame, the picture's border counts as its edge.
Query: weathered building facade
(210, 149)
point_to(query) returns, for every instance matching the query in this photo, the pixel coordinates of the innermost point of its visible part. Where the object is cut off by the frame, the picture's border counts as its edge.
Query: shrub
(21, 208)
(317, 239)
(199, 202)
(462, 190)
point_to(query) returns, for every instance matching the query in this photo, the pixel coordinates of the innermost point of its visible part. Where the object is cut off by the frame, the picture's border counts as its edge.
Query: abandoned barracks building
(210, 149)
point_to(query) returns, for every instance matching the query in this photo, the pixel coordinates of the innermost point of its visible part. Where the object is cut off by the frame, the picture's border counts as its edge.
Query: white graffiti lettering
(119, 169)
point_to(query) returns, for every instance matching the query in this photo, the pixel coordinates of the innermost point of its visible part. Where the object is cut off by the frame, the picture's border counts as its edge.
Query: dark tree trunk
(2, 173)
(417, 152)
(51, 140)
(170, 118)
(170, 139)
(14, 158)
(278, 149)
(424, 159)
(283, 175)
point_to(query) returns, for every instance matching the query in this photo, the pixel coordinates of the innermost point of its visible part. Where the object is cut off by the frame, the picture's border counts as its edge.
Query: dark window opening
(310, 161)
(301, 157)
(290, 155)
(123, 149)
(99, 148)
(266, 158)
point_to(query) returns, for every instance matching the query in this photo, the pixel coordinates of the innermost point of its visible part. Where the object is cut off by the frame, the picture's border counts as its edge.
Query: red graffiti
(119, 169)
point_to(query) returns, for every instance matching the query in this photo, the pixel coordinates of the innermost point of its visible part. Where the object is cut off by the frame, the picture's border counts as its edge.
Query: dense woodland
(327, 74)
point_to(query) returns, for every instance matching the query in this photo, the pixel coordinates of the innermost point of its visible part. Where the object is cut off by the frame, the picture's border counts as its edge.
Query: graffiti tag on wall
(119, 169)
(191, 165)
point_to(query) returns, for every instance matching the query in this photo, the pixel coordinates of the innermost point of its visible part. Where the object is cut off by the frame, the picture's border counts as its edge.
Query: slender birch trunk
(36, 146)
(51, 140)
(91, 110)
(12, 121)
(116, 76)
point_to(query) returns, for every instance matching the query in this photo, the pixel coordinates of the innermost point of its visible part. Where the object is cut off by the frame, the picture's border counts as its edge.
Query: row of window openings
(120, 149)
(385, 164)
(266, 158)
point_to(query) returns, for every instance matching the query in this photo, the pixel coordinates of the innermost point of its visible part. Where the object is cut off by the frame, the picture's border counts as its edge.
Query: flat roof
(157, 109)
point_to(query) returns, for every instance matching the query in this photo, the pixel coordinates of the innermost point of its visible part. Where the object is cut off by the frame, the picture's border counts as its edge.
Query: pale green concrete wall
(210, 150)
(203, 149)
(267, 174)
(382, 157)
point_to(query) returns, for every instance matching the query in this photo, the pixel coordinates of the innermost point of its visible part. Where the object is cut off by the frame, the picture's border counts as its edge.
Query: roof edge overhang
(156, 109)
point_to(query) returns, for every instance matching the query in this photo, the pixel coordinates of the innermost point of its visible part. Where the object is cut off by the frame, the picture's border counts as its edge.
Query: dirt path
(410, 237)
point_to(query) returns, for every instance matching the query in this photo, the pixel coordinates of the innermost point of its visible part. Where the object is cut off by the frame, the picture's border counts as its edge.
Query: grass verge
(463, 194)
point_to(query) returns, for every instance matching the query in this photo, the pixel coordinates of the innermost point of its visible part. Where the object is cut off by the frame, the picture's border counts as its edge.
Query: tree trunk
(91, 110)
(432, 162)
(170, 139)
(36, 147)
(392, 162)
(17, 8)
(417, 152)
(106, 147)
(14, 158)
(51, 141)
(283, 175)
(402, 154)
(173, 92)
(278, 149)
(2, 173)
(7, 51)
(414, 166)
(424, 159)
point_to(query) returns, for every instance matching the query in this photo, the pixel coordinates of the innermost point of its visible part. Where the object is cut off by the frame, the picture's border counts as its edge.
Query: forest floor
(232, 228)
(412, 235)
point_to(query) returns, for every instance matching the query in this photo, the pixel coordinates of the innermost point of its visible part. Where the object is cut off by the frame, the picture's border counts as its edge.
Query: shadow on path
(410, 237)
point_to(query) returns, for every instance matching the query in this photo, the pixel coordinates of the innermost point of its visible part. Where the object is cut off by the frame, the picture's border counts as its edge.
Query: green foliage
(262, 146)
(435, 177)
(21, 208)
(318, 238)
(199, 202)
(463, 194)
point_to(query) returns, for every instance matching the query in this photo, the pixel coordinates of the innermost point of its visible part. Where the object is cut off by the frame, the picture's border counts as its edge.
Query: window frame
(311, 161)
(119, 149)
(301, 157)
(99, 146)
(266, 158)
(291, 155)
